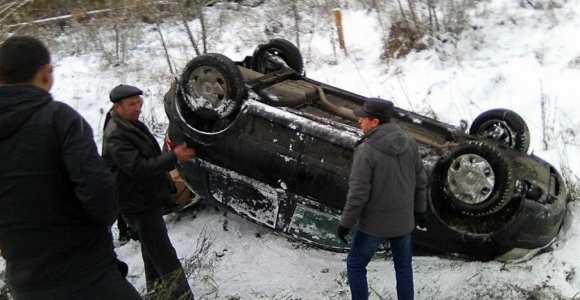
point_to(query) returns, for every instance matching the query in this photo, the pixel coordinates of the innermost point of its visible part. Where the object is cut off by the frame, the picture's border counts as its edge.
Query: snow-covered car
(276, 147)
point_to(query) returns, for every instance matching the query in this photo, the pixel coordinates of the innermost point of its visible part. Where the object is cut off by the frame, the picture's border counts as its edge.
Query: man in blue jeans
(387, 194)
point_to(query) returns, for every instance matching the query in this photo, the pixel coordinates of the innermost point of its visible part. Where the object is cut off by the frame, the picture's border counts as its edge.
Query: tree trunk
(418, 29)
(203, 30)
(164, 46)
(296, 14)
(190, 35)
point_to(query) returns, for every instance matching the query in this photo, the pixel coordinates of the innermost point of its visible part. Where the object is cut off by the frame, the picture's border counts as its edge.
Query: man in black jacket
(57, 195)
(144, 186)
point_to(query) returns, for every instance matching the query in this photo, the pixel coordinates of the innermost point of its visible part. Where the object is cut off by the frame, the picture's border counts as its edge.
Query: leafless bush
(567, 138)
(572, 182)
(199, 260)
(305, 18)
(574, 63)
(402, 39)
(197, 268)
(542, 4)
(540, 291)
(416, 24)
(560, 139)
(548, 120)
(157, 126)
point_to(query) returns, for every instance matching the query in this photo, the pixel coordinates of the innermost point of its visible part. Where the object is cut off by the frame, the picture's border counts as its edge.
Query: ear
(47, 71)
(43, 78)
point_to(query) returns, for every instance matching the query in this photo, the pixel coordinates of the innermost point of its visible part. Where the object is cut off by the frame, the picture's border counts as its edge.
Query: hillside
(513, 55)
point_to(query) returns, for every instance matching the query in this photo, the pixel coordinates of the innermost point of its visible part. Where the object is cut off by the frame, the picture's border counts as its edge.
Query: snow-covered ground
(511, 56)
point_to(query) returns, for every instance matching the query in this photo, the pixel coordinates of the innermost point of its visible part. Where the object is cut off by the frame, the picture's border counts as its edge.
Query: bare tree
(417, 24)
(194, 9)
(8, 9)
(184, 20)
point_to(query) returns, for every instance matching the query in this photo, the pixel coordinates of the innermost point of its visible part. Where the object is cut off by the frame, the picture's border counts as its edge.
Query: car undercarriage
(276, 147)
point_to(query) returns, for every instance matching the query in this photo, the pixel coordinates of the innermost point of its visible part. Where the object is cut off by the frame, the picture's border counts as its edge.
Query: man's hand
(342, 232)
(183, 153)
(421, 221)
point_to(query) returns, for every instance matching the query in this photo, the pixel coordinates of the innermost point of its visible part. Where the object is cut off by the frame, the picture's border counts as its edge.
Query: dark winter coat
(142, 170)
(57, 196)
(387, 183)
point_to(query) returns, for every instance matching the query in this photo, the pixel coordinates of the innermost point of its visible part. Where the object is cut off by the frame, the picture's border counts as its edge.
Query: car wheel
(277, 49)
(213, 86)
(504, 126)
(475, 179)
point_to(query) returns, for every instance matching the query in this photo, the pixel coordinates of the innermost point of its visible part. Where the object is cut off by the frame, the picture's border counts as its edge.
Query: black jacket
(57, 197)
(142, 170)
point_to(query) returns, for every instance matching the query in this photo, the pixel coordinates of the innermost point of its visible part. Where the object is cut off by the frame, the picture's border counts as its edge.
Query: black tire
(213, 86)
(504, 126)
(475, 178)
(279, 48)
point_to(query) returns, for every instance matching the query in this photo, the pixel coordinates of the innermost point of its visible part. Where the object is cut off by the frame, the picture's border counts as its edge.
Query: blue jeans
(362, 249)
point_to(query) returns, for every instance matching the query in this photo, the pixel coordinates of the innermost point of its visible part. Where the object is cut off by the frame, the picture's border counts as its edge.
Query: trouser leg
(362, 249)
(158, 252)
(402, 259)
(151, 273)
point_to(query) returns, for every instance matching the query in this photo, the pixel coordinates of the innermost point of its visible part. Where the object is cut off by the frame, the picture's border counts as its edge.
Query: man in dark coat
(57, 196)
(144, 186)
(387, 189)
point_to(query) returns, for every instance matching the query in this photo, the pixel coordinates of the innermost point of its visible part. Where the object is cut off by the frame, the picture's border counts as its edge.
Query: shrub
(416, 24)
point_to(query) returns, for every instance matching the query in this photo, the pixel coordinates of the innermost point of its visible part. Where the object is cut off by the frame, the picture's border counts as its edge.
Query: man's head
(24, 59)
(374, 111)
(127, 101)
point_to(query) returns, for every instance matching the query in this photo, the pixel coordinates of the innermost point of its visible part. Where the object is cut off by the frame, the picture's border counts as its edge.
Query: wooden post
(338, 20)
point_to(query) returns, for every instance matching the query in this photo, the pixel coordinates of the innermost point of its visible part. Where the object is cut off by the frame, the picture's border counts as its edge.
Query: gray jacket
(387, 183)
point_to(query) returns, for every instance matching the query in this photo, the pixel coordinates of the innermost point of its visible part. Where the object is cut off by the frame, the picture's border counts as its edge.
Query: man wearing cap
(58, 197)
(144, 186)
(387, 194)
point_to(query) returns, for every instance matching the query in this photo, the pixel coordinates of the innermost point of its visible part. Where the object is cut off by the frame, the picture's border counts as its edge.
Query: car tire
(213, 86)
(475, 178)
(280, 48)
(504, 126)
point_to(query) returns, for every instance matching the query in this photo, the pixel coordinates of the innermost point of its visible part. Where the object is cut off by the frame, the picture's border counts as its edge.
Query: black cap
(375, 107)
(123, 91)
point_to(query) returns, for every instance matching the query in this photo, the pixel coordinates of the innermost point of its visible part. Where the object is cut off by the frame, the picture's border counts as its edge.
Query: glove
(342, 232)
(421, 221)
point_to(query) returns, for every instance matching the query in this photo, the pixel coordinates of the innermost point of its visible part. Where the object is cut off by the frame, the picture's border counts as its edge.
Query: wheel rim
(471, 178)
(209, 87)
(499, 131)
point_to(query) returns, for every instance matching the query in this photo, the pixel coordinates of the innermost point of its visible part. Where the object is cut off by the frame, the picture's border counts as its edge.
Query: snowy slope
(512, 57)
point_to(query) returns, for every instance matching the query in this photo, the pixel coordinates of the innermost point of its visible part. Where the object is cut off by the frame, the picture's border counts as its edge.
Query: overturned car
(276, 147)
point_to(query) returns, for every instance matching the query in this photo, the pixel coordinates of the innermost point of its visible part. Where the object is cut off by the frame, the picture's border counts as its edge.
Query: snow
(512, 56)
